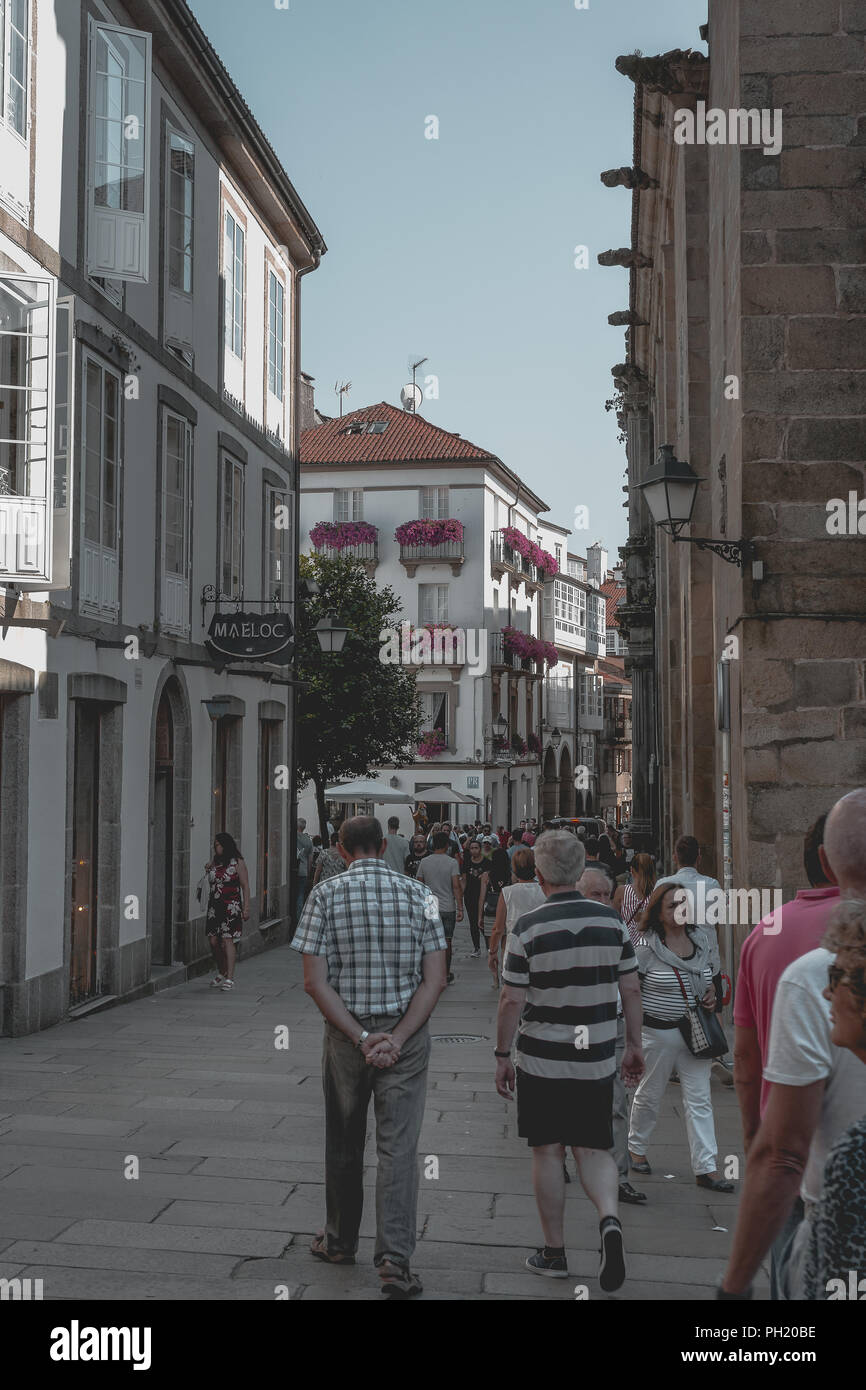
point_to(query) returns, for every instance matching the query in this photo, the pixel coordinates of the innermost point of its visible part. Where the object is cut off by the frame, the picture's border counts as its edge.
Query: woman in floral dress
(228, 905)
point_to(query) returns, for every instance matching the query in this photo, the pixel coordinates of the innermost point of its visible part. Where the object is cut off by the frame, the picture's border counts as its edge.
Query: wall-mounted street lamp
(330, 634)
(555, 738)
(670, 488)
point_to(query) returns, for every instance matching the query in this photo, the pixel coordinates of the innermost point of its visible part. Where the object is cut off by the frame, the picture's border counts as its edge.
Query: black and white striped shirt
(662, 996)
(568, 954)
(374, 926)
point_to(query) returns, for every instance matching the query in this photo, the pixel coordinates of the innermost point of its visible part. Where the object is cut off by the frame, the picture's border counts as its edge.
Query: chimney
(306, 401)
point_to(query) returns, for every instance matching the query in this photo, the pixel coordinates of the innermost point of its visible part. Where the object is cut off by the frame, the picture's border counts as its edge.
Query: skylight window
(366, 427)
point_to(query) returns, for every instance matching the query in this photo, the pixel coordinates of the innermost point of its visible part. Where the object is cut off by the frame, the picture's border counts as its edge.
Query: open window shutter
(64, 395)
(118, 161)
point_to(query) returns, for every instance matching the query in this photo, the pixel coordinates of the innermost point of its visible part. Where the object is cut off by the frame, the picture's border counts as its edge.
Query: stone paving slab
(169, 1186)
(123, 1257)
(148, 1236)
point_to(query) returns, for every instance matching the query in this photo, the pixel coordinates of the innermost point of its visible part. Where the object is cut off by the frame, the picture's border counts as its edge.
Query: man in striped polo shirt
(565, 962)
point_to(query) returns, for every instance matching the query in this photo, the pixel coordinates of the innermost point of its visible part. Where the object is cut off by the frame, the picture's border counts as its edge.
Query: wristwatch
(501, 1054)
(362, 1038)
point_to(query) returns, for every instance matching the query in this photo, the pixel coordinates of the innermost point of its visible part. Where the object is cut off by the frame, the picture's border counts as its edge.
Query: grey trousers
(620, 1107)
(399, 1093)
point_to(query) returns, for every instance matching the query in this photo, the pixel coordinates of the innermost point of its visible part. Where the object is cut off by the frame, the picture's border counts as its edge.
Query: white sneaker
(473, 955)
(227, 984)
(216, 981)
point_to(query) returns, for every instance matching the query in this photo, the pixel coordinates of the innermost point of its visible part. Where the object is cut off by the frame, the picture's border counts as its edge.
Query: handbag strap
(682, 987)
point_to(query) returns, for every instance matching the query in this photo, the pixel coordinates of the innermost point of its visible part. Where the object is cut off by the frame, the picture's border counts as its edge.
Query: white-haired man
(817, 1091)
(565, 964)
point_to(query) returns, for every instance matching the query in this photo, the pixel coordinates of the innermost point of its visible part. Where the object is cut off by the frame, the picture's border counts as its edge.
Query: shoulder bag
(703, 1034)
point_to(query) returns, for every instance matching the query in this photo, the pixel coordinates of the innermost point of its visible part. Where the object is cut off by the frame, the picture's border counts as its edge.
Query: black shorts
(578, 1114)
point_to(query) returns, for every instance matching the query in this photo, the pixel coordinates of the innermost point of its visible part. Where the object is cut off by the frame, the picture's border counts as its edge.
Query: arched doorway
(566, 784)
(550, 785)
(168, 891)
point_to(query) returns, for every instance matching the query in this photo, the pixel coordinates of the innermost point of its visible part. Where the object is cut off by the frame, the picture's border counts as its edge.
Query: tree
(357, 712)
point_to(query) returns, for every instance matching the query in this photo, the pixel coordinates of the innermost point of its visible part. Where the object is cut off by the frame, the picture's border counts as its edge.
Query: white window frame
(99, 573)
(234, 276)
(7, 30)
(432, 603)
(275, 544)
(429, 700)
(118, 239)
(434, 503)
(174, 615)
(276, 331)
(232, 465)
(26, 518)
(178, 327)
(348, 504)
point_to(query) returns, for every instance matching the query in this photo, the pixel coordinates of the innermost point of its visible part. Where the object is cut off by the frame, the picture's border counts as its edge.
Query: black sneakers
(611, 1271)
(554, 1266)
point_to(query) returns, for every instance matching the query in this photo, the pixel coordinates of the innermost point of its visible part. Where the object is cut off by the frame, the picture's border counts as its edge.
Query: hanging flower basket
(518, 746)
(432, 744)
(529, 648)
(339, 535)
(542, 559)
(429, 532)
(533, 743)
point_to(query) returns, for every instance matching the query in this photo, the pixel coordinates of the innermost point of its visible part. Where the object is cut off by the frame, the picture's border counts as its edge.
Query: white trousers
(664, 1049)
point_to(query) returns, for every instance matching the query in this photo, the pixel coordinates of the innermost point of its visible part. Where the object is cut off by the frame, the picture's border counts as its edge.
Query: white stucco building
(151, 253)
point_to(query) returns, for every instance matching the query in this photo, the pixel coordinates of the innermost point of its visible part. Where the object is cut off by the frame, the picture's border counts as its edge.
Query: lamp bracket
(735, 552)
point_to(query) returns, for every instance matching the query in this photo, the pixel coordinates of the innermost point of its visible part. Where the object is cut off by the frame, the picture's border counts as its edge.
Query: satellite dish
(411, 397)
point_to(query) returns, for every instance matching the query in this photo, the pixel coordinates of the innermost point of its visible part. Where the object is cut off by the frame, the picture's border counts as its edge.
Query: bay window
(27, 347)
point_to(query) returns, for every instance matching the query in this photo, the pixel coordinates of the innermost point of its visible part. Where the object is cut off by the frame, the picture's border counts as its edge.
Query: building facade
(744, 353)
(151, 252)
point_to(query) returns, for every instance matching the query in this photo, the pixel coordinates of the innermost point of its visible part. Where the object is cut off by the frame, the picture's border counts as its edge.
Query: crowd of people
(610, 991)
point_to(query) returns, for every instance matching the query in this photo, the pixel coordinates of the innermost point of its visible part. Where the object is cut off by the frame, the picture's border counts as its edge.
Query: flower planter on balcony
(432, 744)
(356, 540)
(430, 542)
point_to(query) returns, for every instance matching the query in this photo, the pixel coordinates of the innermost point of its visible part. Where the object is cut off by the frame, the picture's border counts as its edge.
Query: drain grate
(457, 1037)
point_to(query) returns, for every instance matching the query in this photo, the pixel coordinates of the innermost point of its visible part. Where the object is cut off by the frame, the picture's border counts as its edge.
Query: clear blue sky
(461, 249)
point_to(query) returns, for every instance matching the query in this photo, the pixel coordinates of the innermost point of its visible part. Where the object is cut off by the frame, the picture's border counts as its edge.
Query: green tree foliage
(357, 712)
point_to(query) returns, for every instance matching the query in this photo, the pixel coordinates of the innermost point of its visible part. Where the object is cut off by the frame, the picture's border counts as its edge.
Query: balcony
(504, 559)
(503, 659)
(338, 538)
(441, 545)
(617, 731)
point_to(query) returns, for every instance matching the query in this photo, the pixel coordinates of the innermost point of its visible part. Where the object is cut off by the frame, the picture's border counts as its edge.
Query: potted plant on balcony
(432, 743)
(533, 744)
(339, 535)
(542, 559)
(518, 746)
(429, 533)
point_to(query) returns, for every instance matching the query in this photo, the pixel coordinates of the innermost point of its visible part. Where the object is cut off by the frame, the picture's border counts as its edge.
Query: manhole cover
(456, 1037)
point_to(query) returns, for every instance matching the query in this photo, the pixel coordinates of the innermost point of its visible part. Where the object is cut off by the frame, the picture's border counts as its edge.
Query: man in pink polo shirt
(784, 936)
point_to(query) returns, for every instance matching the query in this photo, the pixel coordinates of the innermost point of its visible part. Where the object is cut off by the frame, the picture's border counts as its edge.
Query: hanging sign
(252, 637)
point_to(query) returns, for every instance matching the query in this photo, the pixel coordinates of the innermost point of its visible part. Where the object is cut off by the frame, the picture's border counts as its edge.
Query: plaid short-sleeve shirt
(374, 927)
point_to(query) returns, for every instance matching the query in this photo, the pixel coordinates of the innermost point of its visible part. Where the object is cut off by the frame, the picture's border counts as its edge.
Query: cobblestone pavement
(228, 1133)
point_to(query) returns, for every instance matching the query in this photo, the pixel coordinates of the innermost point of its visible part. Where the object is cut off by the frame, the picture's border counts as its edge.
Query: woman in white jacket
(675, 964)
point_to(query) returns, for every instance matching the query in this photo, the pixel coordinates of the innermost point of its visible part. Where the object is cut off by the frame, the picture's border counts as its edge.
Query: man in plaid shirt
(374, 962)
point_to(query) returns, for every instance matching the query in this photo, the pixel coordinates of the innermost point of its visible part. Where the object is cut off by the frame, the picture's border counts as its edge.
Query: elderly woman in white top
(675, 965)
(521, 895)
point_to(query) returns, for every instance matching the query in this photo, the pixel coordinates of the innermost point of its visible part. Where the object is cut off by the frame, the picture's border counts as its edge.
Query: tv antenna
(411, 396)
(341, 390)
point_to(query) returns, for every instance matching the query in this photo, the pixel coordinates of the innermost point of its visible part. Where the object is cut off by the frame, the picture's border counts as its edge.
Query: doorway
(83, 982)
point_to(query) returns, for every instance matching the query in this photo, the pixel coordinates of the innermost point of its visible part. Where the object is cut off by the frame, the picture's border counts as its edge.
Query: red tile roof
(408, 438)
(612, 669)
(614, 595)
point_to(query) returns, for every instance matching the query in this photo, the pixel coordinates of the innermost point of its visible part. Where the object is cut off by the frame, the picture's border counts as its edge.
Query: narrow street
(227, 1130)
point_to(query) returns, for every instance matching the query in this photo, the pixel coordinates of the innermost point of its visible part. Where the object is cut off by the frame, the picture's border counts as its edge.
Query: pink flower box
(529, 648)
(429, 532)
(542, 559)
(339, 535)
(432, 744)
